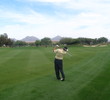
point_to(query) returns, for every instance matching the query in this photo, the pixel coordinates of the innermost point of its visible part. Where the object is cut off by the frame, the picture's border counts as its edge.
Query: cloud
(92, 20)
(50, 1)
(31, 18)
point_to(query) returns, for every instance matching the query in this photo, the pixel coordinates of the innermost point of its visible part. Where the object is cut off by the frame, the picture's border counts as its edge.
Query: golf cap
(65, 49)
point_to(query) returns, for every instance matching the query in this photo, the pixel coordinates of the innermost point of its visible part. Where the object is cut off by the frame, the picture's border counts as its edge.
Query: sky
(49, 18)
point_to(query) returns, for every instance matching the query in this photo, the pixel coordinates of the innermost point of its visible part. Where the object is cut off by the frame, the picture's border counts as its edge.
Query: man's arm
(55, 48)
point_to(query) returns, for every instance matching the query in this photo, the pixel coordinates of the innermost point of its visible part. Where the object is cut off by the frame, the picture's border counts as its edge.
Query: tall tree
(102, 40)
(67, 41)
(46, 41)
(37, 42)
(5, 41)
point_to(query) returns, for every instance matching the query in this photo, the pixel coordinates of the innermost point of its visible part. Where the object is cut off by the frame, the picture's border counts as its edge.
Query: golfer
(58, 62)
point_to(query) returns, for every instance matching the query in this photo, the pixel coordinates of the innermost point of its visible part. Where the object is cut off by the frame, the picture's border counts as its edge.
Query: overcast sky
(48, 18)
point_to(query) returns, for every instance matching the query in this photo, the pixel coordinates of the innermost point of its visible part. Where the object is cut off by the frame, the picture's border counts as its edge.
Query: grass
(28, 74)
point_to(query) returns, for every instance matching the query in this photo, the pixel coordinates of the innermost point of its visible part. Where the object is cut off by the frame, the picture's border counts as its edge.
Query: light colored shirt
(59, 53)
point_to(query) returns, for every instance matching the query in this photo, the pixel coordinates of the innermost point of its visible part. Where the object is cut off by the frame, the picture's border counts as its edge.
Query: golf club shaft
(69, 54)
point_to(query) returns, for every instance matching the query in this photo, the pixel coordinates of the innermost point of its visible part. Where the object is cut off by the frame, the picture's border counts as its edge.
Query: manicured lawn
(28, 74)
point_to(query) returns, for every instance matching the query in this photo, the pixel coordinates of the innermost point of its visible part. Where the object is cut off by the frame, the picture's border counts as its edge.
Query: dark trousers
(59, 68)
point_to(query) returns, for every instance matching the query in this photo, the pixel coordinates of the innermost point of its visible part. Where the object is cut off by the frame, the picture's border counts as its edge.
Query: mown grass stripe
(7, 54)
(11, 70)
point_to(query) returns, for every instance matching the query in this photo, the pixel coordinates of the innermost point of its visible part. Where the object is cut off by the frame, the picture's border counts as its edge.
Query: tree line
(7, 42)
(83, 41)
(72, 41)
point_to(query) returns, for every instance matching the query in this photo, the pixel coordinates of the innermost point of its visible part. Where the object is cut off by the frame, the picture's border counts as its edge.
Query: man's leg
(61, 70)
(57, 69)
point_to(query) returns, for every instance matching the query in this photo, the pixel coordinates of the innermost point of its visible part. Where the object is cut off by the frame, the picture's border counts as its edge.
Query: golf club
(69, 54)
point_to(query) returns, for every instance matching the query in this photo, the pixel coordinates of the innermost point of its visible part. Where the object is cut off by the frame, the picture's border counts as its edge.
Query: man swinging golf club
(58, 62)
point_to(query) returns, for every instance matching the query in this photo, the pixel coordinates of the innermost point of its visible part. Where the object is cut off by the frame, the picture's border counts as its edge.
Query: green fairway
(28, 74)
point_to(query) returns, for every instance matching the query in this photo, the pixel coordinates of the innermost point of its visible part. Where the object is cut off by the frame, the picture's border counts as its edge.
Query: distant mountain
(30, 39)
(57, 38)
